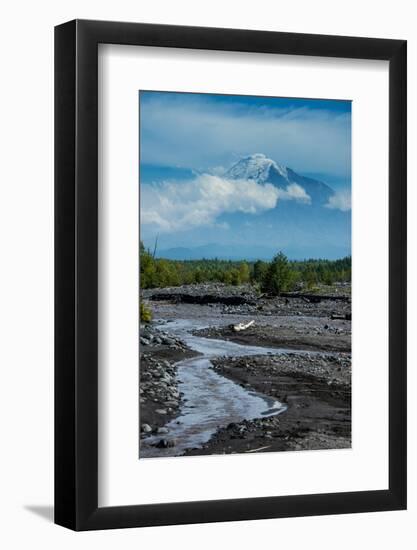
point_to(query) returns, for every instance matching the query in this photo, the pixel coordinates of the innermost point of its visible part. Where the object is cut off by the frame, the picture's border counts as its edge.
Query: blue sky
(188, 141)
(202, 131)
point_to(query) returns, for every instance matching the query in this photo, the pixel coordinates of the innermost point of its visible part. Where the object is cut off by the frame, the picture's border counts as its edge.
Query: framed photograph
(230, 248)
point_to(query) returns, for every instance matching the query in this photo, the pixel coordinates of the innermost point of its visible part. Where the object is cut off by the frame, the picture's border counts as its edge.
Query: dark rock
(165, 443)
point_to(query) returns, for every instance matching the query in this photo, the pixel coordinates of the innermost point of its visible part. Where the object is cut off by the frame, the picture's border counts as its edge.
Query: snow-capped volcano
(256, 167)
(260, 168)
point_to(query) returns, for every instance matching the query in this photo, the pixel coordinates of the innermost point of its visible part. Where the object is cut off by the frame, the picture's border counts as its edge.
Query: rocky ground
(247, 300)
(160, 399)
(316, 390)
(315, 386)
(325, 336)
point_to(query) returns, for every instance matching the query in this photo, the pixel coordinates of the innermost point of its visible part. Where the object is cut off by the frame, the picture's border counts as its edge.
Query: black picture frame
(76, 272)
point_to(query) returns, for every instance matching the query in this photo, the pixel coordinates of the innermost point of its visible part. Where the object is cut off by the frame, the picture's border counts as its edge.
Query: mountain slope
(260, 168)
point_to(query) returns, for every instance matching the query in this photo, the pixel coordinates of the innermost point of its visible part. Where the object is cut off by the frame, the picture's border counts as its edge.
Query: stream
(210, 400)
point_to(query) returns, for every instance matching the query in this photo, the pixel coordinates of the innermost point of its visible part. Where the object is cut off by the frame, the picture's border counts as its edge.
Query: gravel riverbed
(316, 390)
(310, 373)
(159, 397)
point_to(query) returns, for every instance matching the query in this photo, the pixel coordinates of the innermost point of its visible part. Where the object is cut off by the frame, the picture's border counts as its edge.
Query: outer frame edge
(76, 505)
(64, 175)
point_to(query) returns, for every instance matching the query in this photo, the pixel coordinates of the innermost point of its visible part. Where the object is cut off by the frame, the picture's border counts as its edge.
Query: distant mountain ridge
(213, 250)
(260, 168)
(249, 252)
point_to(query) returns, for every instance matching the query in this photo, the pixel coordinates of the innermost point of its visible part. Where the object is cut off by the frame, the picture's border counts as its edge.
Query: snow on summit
(258, 167)
(255, 167)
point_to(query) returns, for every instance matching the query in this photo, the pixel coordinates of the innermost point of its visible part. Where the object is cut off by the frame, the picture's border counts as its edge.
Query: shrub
(145, 313)
(244, 272)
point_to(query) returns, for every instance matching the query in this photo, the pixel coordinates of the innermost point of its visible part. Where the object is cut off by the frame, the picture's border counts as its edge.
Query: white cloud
(218, 170)
(192, 132)
(340, 201)
(170, 206)
(295, 192)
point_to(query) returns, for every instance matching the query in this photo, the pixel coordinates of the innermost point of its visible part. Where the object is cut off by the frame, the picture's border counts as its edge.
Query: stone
(165, 443)
(160, 411)
(162, 430)
(146, 428)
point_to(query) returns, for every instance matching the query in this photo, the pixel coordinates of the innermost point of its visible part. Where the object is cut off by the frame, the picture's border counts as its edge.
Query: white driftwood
(243, 326)
(260, 449)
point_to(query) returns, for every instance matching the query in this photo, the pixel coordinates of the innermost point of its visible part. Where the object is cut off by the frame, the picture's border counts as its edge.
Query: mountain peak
(260, 168)
(256, 167)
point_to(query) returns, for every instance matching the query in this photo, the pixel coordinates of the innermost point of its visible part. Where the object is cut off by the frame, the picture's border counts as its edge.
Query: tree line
(278, 275)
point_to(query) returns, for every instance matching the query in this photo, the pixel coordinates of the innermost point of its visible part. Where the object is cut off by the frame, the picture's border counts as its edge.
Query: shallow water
(210, 400)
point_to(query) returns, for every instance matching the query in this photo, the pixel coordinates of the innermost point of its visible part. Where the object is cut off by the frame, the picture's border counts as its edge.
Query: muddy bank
(326, 336)
(316, 390)
(160, 398)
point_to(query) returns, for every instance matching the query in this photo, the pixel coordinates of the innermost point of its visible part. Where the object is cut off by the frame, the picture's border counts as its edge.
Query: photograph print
(245, 274)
